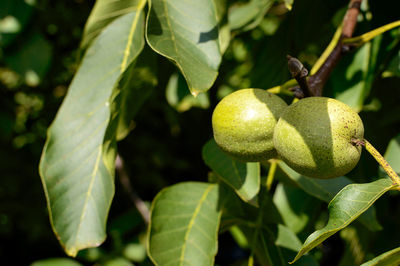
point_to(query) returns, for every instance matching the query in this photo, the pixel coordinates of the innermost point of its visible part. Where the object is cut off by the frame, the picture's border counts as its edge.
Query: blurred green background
(39, 54)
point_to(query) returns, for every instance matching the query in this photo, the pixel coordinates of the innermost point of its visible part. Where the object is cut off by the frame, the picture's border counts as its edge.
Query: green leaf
(392, 154)
(184, 225)
(290, 244)
(103, 13)
(237, 212)
(274, 244)
(186, 32)
(326, 189)
(248, 16)
(295, 206)
(244, 178)
(77, 164)
(344, 208)
(267, 252)
(224, 30)
(394, 66)
(352, 79)
(179, 97)
(389, 258)
(356, 243)
(137, 84)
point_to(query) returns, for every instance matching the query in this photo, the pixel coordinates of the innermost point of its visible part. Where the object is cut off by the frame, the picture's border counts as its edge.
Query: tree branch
(316, 82)
(126, 184)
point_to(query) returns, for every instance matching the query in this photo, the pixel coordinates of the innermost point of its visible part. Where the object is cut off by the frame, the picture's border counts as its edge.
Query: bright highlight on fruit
(314, 137)
(243, 124)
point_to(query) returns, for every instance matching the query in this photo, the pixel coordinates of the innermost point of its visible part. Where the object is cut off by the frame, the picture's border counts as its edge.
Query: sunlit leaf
(244, 178)
(104, 12)
(186, 32)
(184, 225)
(77, 164)
(344, 208)
(326, 189)
(389, 258)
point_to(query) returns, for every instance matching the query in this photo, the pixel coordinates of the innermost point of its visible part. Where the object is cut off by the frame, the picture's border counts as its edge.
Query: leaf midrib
(191, 222)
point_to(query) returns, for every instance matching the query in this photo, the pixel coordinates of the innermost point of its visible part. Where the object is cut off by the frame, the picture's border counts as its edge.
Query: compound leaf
(187, 32)
(244, 178)
(344, 208)
(184, 225)
(77, 164)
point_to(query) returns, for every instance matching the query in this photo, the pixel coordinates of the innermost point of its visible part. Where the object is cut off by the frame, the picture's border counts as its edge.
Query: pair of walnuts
(314, 136)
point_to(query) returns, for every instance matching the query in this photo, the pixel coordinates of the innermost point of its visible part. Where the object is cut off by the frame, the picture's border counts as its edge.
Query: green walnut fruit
(314, 137)
(243, 124)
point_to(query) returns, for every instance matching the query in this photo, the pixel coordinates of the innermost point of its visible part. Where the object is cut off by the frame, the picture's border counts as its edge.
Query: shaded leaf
(326, 189)
(352, 79)
(356, 240)
(184, 225)
(389, 258)
(224, 30)
(237, 212)
(104, 12)
(392, 154)
(394, 66)
(249, 15)
(295, 206)
(77, 164)
(344, 208)
(136, 86)
(275, 244)
(244, 178)
(290, 244)
(187, 32)
(179, 97)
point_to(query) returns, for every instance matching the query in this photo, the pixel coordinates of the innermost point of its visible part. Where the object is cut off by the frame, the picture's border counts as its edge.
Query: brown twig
(298, 72)
(316, 82)
(350, 19)
(126, 184)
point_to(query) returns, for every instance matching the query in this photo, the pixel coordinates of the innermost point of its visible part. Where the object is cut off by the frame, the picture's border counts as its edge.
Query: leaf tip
(194, 93)
(72, 252)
